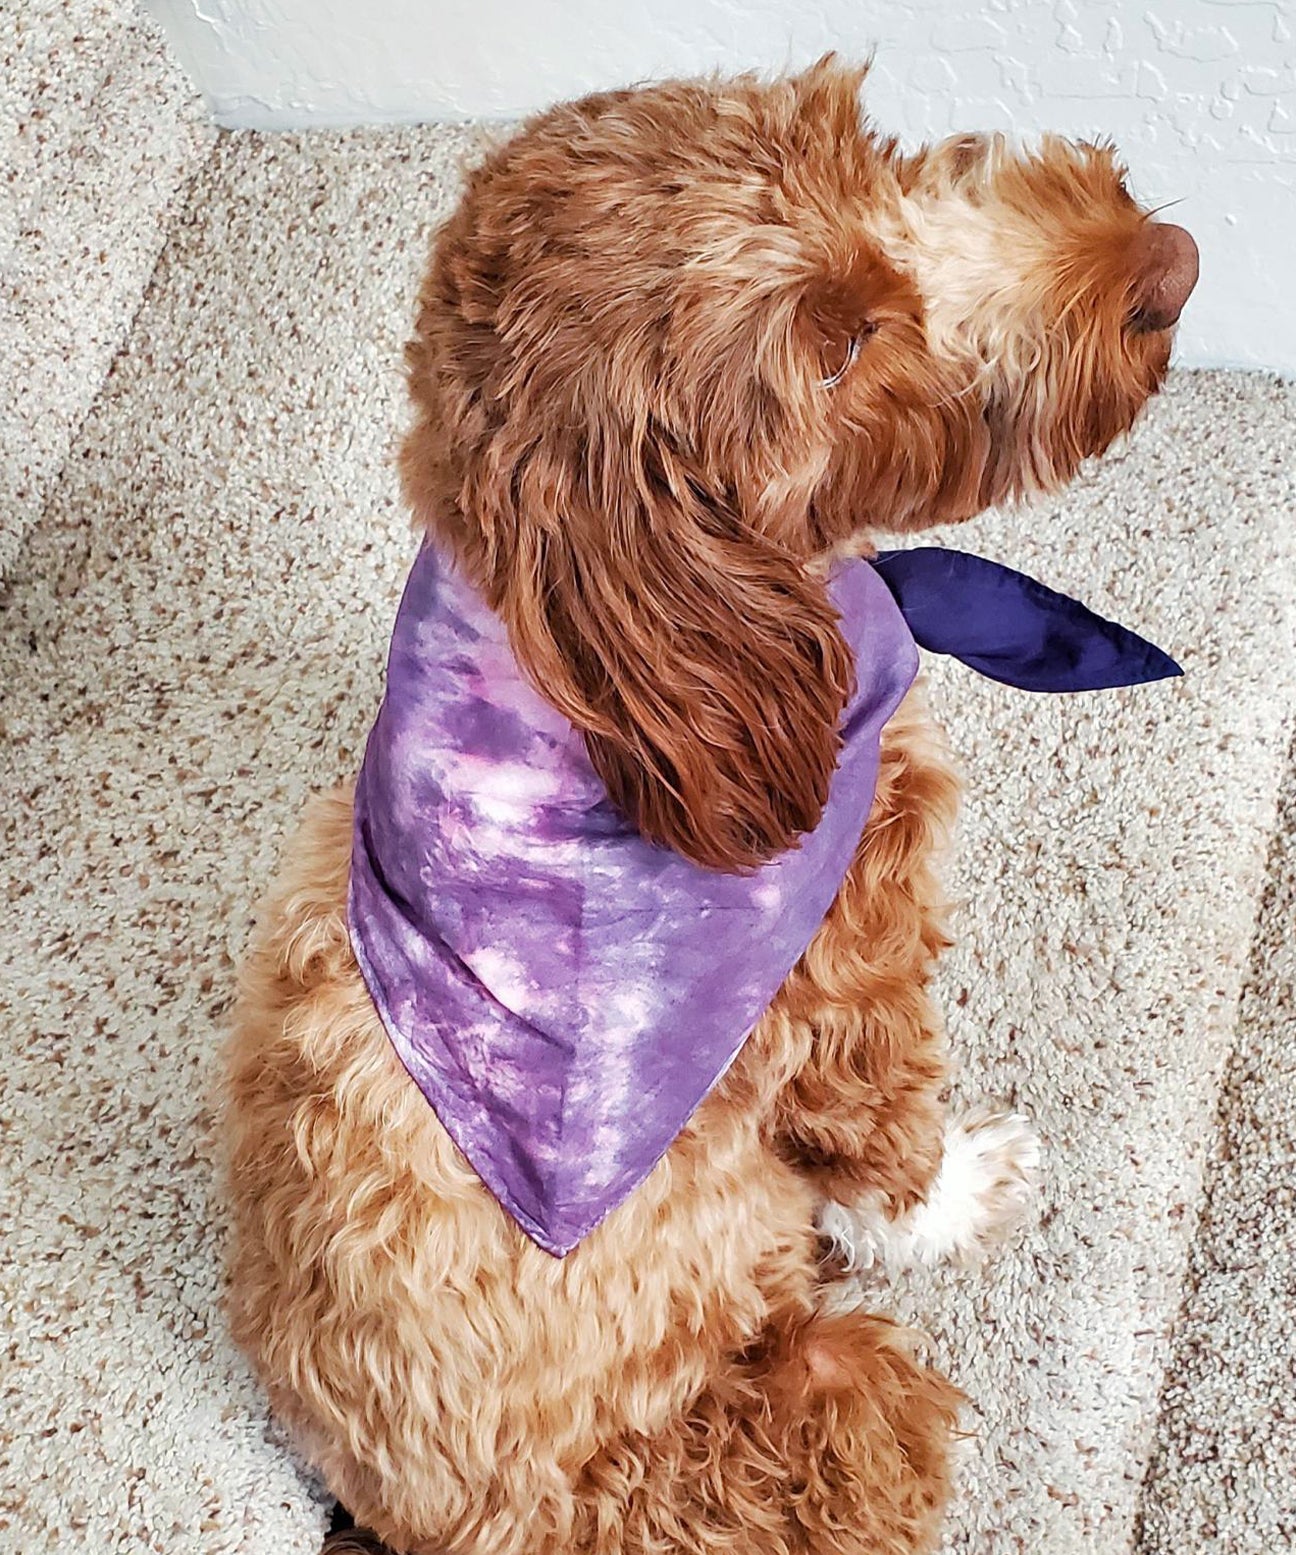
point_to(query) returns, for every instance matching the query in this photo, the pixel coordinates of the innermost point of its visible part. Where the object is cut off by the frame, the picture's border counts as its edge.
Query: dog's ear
(701, 661)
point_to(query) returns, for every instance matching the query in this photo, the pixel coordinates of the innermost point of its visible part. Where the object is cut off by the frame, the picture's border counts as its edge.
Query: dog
(679, 349)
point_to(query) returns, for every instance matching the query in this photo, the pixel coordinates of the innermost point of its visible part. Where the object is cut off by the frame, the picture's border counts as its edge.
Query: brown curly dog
(676, 347)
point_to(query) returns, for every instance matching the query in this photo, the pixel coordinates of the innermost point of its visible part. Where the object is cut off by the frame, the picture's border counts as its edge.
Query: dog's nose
(1167, 262)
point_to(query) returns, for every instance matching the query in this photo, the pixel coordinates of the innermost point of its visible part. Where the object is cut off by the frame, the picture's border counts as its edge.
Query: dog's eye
(834, 378)
(851, 356)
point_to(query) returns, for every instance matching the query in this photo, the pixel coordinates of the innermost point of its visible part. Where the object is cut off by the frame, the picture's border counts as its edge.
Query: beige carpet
(192, 642)
(1224, 1473)
(99, 134)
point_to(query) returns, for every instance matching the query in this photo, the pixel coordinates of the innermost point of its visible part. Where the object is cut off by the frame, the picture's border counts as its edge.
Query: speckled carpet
(192, 641)
(99, 133)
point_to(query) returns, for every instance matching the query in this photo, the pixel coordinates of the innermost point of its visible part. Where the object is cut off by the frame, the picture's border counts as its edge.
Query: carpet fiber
(192, 641)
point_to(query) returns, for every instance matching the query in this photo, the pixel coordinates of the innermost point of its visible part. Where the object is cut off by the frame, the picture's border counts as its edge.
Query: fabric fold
(1013, 628)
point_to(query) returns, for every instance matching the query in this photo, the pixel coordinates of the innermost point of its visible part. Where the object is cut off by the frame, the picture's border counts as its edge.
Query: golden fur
(628, 430)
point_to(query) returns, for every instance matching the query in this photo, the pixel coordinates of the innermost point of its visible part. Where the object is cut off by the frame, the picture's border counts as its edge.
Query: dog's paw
(983, 1191)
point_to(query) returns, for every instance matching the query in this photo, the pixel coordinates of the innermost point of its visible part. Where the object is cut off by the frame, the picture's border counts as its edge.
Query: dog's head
(677, 343)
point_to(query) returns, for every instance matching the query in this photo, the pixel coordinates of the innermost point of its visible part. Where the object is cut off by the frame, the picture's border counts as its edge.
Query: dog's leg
(983, 1190)
(855, 1048)
(827, 1435)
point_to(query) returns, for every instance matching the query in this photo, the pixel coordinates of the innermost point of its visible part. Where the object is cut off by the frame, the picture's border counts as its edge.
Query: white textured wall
(1199, 94)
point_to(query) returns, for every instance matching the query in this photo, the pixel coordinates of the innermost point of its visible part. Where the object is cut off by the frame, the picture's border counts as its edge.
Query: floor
(191, 642)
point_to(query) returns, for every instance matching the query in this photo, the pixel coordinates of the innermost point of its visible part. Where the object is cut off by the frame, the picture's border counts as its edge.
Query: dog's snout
(1168, 263)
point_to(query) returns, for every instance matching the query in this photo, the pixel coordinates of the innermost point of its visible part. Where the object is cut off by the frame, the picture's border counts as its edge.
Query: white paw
(985, 1186)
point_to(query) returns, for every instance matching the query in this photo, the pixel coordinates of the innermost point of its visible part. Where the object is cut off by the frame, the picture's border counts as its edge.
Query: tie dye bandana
(563, 993)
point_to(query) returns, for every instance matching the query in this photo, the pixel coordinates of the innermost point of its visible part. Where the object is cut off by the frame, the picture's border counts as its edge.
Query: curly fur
(623, 432)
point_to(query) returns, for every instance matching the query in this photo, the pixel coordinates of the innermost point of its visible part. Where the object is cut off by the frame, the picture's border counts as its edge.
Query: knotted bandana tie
(562, 992)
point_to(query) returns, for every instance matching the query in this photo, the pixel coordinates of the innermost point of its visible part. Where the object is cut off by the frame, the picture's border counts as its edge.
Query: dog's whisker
(1168, 205)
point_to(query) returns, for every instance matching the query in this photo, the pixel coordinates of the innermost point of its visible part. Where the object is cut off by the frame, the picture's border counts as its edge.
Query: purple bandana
(562, 992)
